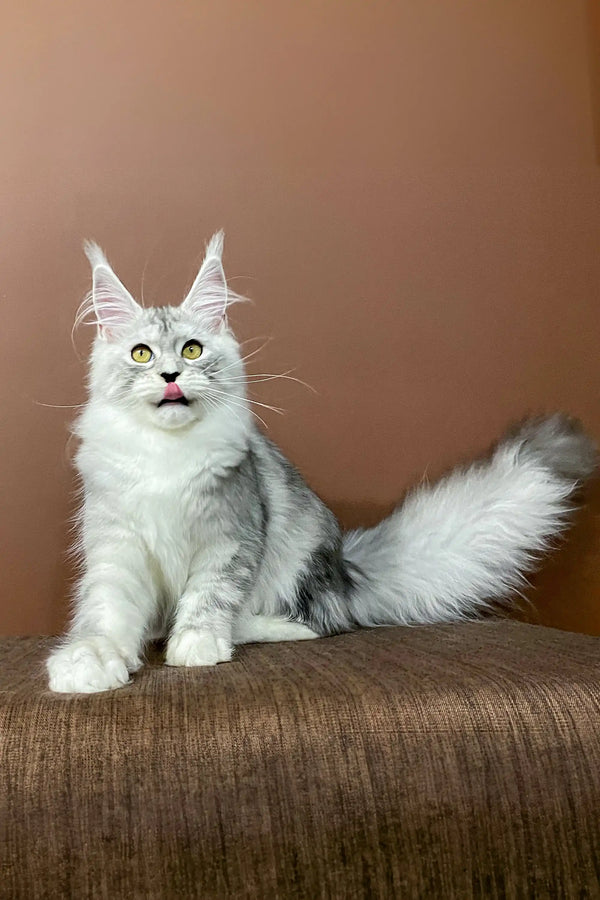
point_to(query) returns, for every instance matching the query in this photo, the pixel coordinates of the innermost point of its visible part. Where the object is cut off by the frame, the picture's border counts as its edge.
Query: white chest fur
(160, 486)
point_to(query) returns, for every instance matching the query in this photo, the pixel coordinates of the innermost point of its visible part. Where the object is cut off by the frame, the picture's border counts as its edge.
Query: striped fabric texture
(434, 762)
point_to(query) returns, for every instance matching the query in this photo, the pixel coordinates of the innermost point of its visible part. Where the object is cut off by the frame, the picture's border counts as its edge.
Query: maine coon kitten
(194, 526)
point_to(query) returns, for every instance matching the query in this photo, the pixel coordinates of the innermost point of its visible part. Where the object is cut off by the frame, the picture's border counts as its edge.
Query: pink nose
(172, 392)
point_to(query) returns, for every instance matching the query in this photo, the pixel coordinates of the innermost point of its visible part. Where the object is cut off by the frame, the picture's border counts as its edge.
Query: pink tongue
(172, 392)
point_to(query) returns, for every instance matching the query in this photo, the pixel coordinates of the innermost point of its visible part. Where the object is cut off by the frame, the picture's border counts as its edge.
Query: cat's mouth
(182, 401)
(173, 394)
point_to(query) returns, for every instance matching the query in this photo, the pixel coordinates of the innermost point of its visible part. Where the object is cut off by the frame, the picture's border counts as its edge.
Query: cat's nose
(169, 376)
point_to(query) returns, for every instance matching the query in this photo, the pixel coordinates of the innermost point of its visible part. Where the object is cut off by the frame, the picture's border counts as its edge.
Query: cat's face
(170, 365)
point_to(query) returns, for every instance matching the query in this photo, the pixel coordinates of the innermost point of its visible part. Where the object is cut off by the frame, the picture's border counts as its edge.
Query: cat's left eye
(191, 350)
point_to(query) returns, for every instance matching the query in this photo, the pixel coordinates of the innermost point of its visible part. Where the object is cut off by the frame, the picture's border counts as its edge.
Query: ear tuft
(215, 245)
(95, 254)
(109, 304)
(209, 297)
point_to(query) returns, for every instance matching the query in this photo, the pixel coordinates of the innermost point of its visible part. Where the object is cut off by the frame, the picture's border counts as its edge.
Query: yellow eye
(191, 350)
(141, 353)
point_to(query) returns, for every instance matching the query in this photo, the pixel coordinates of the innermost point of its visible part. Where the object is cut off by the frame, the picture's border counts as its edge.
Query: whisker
(276, 409)
(248, 356)
(214, 405)
(143, 278)
(256, 416)
(256, 378)
(241, 404)
(59, 405)
(258, 337)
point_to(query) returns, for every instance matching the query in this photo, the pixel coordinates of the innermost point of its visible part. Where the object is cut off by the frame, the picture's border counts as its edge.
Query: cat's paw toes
(87, 665)
(197, 647)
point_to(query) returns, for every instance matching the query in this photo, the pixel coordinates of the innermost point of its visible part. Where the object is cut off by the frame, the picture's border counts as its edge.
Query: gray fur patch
(327, 576)
(560, 444)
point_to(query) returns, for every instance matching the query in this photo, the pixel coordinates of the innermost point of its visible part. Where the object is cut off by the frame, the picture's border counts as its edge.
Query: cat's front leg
(113, 607)
(86, 665)
(202, 632)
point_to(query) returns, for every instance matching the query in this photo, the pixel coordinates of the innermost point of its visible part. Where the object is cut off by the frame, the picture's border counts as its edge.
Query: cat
(195, 527)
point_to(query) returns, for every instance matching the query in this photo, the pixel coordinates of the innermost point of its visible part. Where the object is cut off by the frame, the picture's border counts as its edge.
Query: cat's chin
(171, 416)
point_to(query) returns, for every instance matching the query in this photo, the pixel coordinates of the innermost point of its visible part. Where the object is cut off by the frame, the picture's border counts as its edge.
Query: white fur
(141, 527)
(90, 664)
(142, 532)
(253, 629)
(178, 539)
(451, 549)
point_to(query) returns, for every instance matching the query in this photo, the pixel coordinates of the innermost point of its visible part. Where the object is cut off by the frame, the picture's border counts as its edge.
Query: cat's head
(172, 365)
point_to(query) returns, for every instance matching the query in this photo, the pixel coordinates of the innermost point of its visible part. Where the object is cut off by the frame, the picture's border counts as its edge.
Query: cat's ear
(110, 302)
(208, 297)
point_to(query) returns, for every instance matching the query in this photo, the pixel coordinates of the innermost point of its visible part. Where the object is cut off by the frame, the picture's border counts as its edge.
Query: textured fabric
(435, 762)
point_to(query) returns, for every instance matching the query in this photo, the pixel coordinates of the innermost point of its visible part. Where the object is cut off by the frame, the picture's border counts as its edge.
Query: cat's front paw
(87, 665)
(197, 647)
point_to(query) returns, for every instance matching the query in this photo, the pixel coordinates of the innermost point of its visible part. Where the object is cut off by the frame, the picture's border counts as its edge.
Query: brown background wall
(411, 195)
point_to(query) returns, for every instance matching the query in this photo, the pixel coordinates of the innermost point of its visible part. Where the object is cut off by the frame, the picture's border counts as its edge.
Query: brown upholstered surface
(458, 761)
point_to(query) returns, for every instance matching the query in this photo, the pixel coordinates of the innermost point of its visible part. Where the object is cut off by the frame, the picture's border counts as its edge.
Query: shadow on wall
(359, 514)
(565, 593)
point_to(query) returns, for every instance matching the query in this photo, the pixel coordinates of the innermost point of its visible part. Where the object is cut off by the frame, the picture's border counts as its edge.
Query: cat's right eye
(141, 353)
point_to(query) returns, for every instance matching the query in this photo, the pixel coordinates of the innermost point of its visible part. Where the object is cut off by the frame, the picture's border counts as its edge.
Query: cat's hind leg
(254, 629)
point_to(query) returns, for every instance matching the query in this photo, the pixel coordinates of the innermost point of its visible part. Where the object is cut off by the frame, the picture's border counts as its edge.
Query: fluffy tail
(449, 551)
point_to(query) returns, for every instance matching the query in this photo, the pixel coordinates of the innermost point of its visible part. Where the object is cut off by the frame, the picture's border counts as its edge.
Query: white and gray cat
(195, 527)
